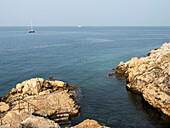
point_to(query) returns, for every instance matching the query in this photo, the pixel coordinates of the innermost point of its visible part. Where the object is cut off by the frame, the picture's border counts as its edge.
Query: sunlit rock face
(150, 76)
(3, 107)
(89, 124)
(36, 97)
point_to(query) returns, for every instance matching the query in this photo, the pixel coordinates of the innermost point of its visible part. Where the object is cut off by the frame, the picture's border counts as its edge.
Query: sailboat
(31, 30)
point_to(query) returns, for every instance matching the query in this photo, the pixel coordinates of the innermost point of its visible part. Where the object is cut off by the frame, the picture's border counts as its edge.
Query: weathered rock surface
(4, 107)
(150, 76)
(89, 124)
(37, 97)
(48, 105)
(14, 119)
(38, 122)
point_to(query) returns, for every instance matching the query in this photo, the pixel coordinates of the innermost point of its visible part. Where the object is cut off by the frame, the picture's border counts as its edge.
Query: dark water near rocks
(57, 51)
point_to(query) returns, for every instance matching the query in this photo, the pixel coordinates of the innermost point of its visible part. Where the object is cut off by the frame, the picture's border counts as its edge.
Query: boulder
(33, 86)
(50, 77)
(14, 119)
(121, 68)
(89, 124)
(19, 87)
(4, 107)
(38, 122)
(57, 83)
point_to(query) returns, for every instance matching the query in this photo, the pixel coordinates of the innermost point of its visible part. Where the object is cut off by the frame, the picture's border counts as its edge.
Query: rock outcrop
(89, 124)
(4, 107)
(150, 76)
(39, 98)
(38, 122)
(14, 119)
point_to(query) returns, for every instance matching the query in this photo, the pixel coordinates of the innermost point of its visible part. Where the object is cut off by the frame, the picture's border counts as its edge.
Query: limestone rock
(121, 68)
(38, 122)
(150, 76)
(57, 83)
(19, 87)
(49, 99)
(13, 91)
(89, 124)
(33, 86)
(48, 105)
(4, 107)
(45, 92)
(14, 119)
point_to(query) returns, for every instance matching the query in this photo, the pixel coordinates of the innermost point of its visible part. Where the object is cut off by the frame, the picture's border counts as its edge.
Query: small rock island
(150, 76)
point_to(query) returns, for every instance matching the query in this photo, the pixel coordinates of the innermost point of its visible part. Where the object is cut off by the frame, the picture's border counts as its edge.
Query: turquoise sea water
(57, 51)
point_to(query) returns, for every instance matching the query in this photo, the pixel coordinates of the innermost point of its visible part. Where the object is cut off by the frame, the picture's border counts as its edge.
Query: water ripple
(37, 47)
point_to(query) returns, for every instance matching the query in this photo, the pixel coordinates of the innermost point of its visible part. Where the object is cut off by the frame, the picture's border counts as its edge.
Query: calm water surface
(57, 51)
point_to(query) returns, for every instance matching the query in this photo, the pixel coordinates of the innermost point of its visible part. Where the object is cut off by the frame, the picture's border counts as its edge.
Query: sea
(83, 57)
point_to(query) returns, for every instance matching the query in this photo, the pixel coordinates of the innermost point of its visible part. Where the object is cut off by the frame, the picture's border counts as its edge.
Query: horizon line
(88, 26)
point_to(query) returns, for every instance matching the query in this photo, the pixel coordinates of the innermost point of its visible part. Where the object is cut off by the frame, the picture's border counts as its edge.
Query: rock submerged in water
(50, 77)
(150, 76)
(39, 98)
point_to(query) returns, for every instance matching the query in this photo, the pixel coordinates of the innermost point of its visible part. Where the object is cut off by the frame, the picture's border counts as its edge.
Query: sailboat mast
(31, 25)
(31, 31)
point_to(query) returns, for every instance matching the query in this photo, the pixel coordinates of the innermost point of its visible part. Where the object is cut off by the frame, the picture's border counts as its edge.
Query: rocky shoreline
(150, 77)
(44, 104)
(37, 103)
(36, 99)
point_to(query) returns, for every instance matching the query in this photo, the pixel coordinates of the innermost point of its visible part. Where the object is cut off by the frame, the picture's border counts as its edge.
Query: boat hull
(31, 31)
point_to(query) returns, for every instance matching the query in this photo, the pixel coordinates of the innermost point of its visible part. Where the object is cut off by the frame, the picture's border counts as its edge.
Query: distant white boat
(79, 26)
(31, 30)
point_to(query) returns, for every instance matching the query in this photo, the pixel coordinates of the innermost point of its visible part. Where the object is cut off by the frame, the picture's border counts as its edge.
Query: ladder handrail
(28, 104)
(1, 123)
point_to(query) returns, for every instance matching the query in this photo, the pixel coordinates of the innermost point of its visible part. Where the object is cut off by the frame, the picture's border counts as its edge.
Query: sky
(85, 12)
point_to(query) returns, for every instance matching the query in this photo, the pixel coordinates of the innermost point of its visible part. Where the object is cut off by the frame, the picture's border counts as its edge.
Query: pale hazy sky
(85, 12)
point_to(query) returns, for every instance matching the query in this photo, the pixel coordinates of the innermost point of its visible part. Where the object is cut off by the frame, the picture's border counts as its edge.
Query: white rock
(39, 122)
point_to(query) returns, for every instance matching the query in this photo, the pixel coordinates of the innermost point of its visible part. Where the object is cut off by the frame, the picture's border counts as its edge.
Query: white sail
(32, 30)
(31, 25)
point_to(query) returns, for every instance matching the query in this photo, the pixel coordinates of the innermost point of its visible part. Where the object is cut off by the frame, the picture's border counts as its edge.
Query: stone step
(63, 111)
(62, 115)
(61, 119)
(56, 116)
(65, 123)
